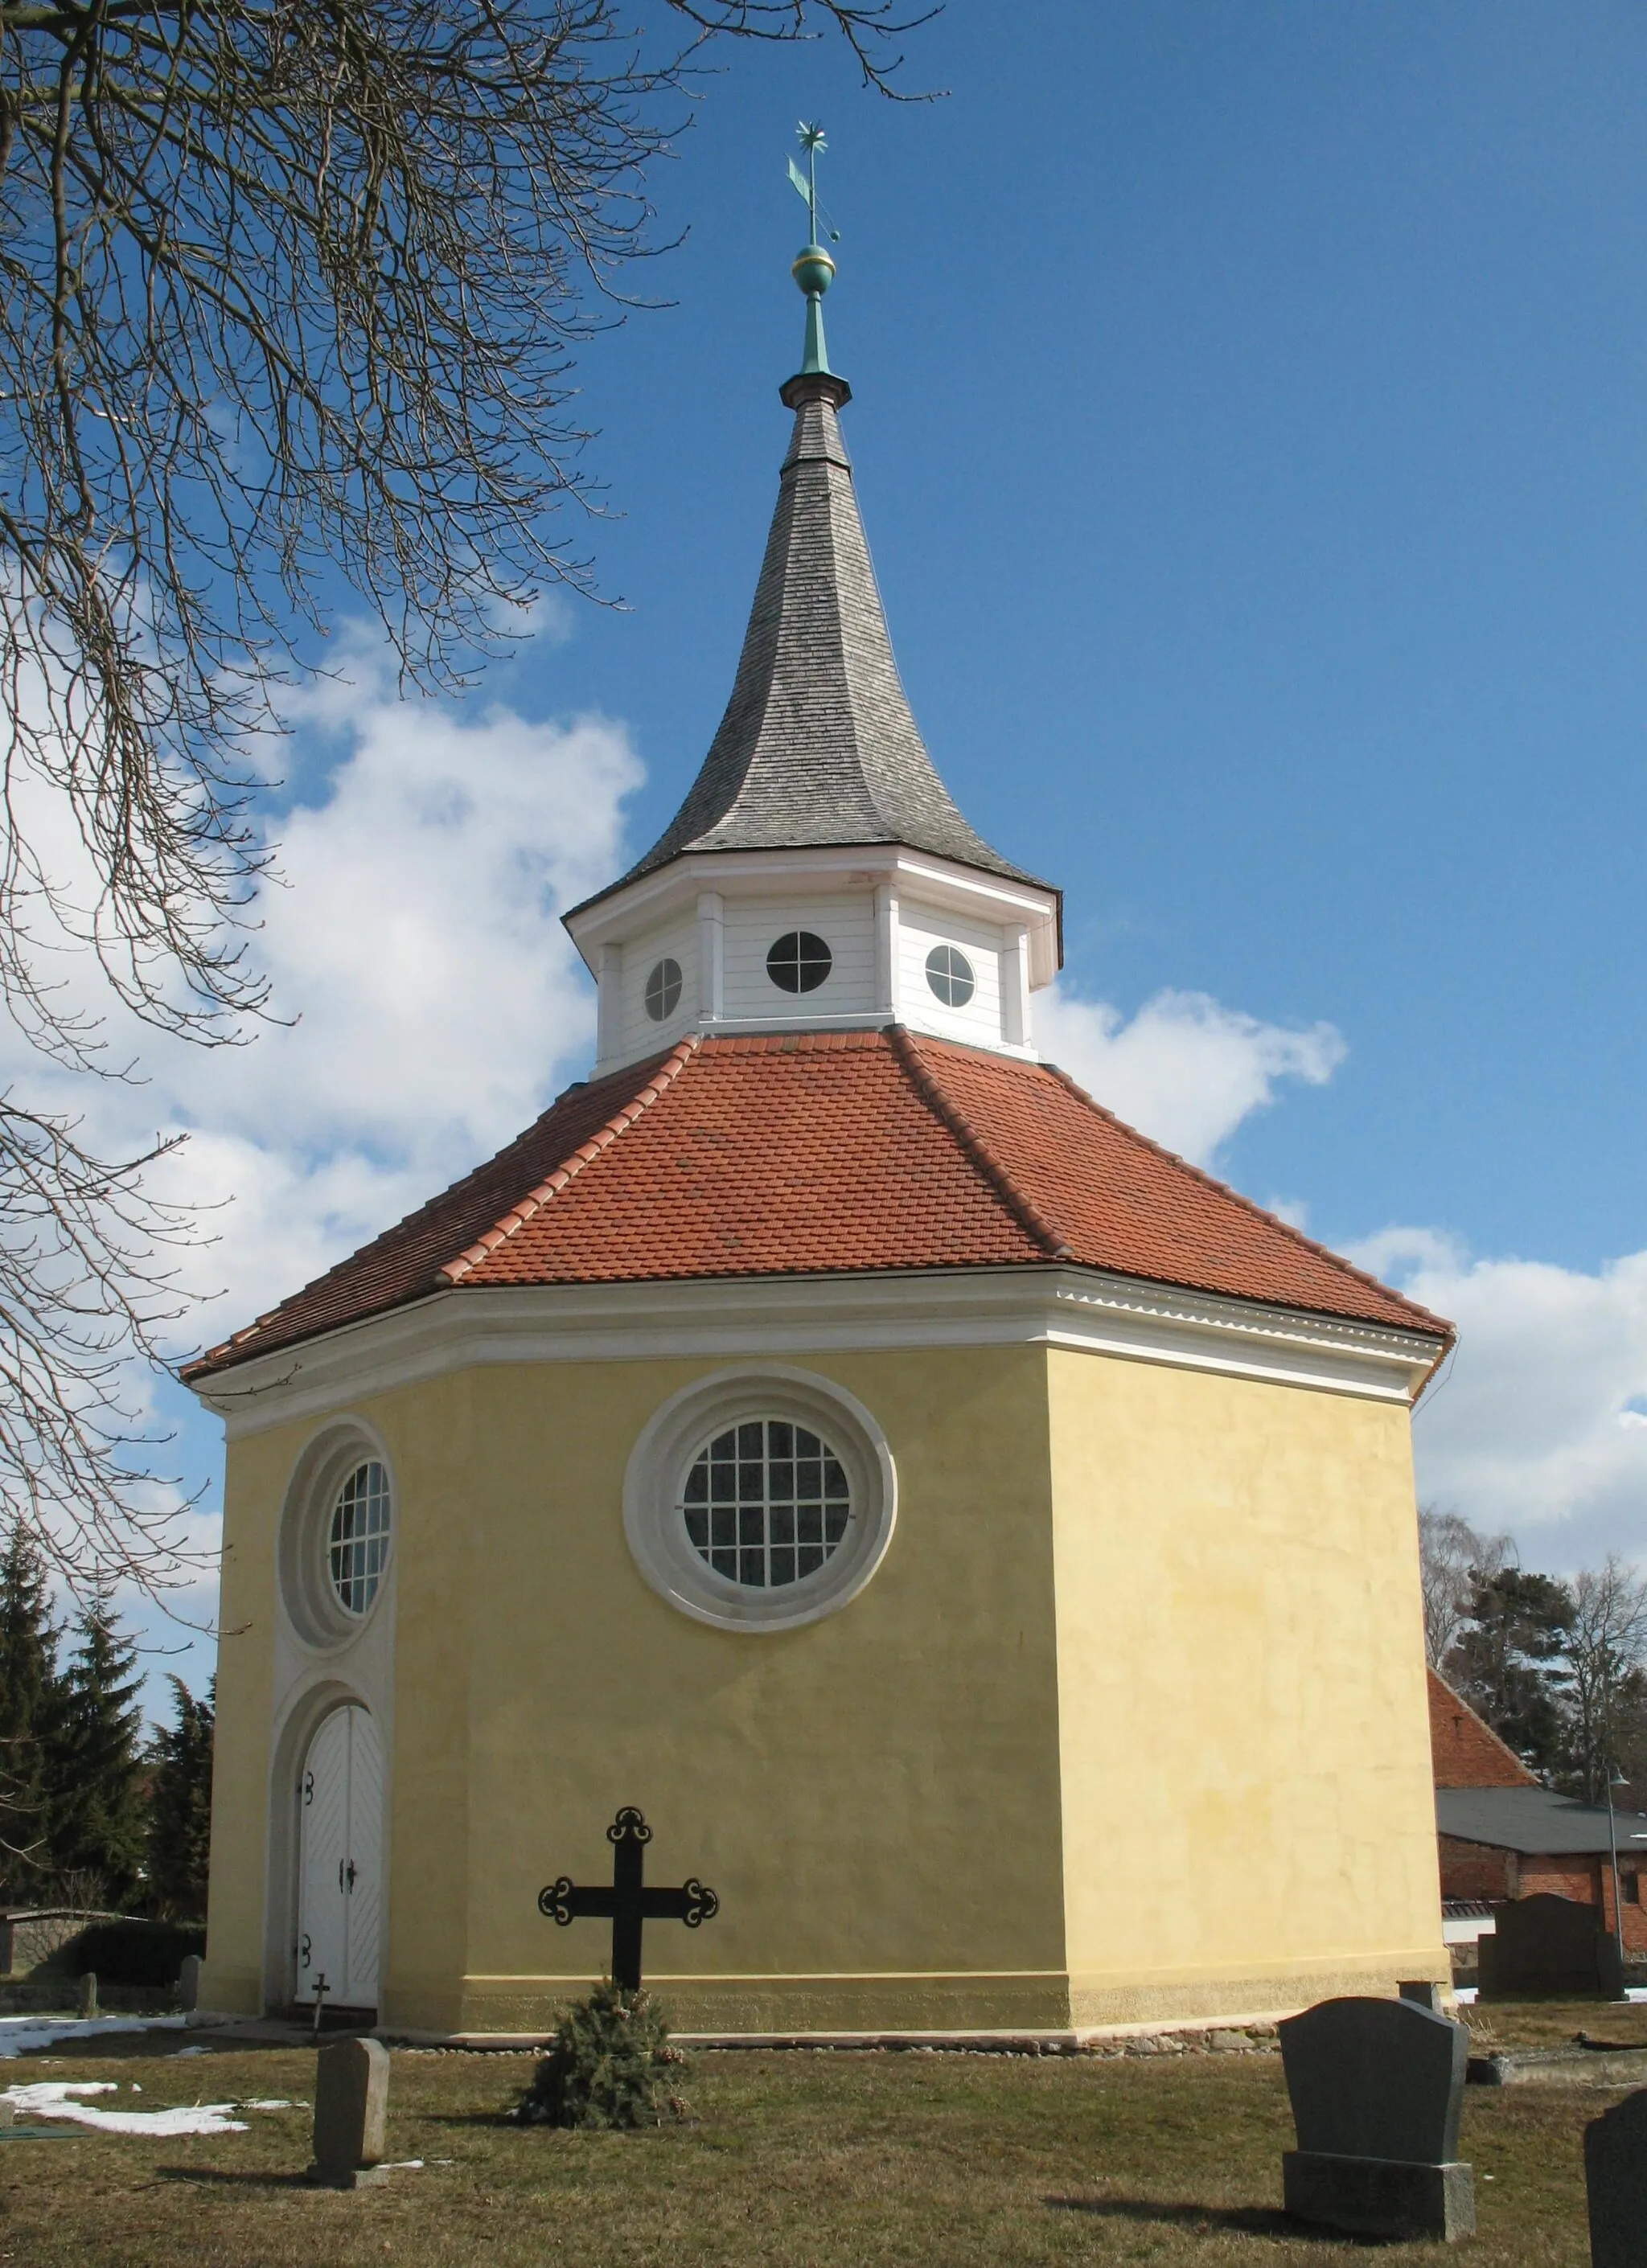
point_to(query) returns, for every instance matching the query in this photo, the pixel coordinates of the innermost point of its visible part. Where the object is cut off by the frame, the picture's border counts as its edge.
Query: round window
(799, 962)
(359, 1542)
(663, 991)
(766, 1503)
(950, 974)
(760, 1499)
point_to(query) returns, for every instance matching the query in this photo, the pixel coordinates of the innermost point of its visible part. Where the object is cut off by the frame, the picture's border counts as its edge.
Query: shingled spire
(817, 744)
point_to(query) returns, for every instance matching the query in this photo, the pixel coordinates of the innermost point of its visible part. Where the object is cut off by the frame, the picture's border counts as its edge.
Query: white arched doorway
(340, 1861)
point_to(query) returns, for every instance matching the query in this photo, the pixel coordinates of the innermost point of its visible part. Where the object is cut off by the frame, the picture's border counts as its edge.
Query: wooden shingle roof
(818, 745)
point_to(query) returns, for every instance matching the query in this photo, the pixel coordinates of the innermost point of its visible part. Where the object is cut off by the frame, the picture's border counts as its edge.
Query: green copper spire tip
(812, 268)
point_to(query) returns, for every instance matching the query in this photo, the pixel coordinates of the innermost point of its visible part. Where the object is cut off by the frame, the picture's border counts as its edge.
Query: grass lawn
(796, 2158)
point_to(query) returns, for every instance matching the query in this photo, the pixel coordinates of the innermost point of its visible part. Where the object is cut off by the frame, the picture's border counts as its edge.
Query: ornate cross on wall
(628, 1903)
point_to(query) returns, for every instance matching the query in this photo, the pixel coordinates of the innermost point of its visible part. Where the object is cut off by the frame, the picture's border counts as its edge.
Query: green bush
(610, 2065)
(136, 1952)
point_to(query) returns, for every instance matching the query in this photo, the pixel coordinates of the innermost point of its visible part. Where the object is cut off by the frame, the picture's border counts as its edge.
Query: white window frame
(317, 1614)
(671, 1442)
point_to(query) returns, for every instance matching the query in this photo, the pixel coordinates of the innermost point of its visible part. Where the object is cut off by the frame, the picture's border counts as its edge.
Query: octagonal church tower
(983, 1545)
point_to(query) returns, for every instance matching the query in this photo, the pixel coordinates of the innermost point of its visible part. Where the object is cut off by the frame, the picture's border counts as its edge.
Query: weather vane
(812, 268)
(805, 184)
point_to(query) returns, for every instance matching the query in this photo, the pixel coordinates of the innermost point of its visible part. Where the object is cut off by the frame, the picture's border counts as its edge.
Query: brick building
(1503, 1836)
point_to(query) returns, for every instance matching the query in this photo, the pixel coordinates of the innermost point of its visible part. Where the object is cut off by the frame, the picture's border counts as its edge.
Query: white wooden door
(340, 1893)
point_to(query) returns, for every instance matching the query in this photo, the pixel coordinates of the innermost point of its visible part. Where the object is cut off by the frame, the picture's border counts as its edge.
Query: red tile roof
(1466, 1750)
(815, 1153)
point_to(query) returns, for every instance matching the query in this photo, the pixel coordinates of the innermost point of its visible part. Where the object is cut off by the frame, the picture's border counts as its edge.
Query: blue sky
(1249, 424)
(1250, 428)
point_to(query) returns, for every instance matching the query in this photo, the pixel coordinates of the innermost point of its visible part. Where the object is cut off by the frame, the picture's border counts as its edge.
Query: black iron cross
(628, 1903)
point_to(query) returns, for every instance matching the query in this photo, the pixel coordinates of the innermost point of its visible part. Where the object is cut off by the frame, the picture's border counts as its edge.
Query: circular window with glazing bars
(799, 962)
(950, 974)
(358, 1551)
(663, 991)
(766, 1503)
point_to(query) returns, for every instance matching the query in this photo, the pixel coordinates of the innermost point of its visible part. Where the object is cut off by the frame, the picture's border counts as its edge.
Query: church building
(981, 1544)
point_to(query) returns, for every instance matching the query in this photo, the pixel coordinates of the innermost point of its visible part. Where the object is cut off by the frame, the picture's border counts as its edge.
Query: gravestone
(1423, 1993)
(1615, 2178)
(351, 2101)
(189, 1984)
(88, 1993)
(1546, 1944)
(1377, 2087)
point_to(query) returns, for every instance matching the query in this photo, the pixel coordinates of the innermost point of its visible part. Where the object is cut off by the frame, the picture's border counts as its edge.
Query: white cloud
(415, 944)
(1186, 1070)
(1535, 1424)
(436, 1002)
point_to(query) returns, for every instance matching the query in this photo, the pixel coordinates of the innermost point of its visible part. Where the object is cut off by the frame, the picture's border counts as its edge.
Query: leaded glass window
(663, 991)
(359, 1545)
(950, 974)
(766, 1503)
(799, 962)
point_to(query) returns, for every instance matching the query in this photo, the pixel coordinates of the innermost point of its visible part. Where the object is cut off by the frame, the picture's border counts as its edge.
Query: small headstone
(351, 2101)
(1615, 2177)
(88, 1993)
(1546, 1944)
(8, 2114)
(1423, 1993)
(1377, 2089)
(189, 1984)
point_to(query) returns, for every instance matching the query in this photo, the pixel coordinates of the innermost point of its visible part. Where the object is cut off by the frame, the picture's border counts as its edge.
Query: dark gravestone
(1550, 1945)
(1377, 2087)
(1615, 2176)
(351, 2101)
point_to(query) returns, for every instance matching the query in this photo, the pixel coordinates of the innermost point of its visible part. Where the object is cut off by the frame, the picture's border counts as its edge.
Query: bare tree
(1606, 1665)
(289, 295)
(1455, 1559)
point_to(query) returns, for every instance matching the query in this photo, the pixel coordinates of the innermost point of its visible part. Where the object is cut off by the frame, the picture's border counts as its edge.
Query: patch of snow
(58, 2098)
(27, 2035)
(55, 2098)
(178, 2054)
(1465, 1994)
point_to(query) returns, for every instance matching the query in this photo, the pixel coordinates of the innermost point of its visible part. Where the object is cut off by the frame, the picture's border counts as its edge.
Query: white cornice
(653, 897)
(776, 1316)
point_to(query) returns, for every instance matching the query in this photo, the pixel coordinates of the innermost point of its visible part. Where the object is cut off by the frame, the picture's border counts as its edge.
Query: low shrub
(136, 1952)
(610, 2066)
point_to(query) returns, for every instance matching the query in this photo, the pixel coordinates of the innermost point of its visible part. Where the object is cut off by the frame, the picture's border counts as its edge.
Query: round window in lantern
(766, 1503)
(799, 962)
(663, 991)
(950, 974)
(359, 1547)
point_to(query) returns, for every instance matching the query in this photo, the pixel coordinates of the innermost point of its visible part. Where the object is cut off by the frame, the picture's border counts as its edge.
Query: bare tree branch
(291, 292)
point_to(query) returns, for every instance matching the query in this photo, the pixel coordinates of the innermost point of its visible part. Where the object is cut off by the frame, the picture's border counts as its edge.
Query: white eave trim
(751, 1317)
(775, 873)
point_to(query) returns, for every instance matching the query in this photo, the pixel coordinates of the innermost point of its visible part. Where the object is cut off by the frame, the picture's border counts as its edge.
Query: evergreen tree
(180, 1808)
(30, 1699)
(94, 1768)
(1508, 1662)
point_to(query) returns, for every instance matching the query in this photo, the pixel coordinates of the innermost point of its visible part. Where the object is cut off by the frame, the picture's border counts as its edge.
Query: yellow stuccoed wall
(1248, 1814)
(1129, 1722)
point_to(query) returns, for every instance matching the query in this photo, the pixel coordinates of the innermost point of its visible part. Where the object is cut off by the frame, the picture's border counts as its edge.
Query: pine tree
(180, 1808)
(1509, 1662)
(94, 1771)
(30, 1700)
